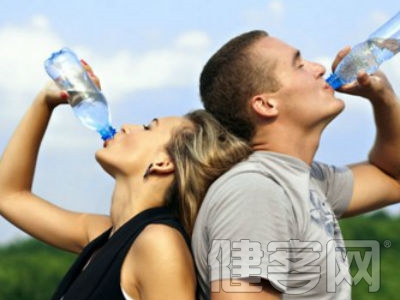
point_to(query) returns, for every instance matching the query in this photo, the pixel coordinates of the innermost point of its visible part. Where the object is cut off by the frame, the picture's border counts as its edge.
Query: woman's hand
(92, 76)
(53, 96)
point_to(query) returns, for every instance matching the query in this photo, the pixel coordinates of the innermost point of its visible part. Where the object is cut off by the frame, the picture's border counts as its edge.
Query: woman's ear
(163, 166)
(265, 105)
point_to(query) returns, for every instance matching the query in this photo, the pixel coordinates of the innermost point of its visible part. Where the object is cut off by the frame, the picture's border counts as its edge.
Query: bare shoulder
(163, 267)
(162, 242)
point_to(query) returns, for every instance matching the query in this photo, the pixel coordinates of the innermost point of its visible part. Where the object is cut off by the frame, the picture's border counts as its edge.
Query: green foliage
(386, 230)
(32, 270)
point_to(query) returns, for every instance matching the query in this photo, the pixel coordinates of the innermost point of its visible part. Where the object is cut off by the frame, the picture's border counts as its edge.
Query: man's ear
(265, 105)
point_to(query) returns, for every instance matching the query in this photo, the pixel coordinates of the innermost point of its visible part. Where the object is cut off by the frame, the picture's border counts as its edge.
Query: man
(268, 228)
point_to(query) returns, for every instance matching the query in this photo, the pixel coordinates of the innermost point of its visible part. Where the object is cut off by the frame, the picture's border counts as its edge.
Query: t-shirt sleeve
(337, 183)
(249, 214)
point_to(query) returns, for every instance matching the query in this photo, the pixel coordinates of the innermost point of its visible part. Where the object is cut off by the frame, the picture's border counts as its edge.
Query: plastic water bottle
(86, 100)
(380, 46)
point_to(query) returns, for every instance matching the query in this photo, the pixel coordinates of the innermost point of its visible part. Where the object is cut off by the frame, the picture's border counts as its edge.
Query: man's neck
(301, 146)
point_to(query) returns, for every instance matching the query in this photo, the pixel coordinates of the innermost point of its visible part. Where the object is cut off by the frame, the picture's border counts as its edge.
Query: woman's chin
(104, 163)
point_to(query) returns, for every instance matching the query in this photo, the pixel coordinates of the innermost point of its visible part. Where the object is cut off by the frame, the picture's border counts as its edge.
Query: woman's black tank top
(101, 278)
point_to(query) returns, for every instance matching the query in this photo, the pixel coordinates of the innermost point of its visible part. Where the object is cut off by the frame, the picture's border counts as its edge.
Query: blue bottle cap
(334, 81)
(107, 133)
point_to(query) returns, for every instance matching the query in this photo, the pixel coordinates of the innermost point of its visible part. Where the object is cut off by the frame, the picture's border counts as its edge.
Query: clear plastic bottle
(381, 45)
(86, 100)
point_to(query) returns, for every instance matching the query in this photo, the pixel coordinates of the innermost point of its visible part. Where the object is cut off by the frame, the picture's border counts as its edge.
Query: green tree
(386, 230)
(32, 270)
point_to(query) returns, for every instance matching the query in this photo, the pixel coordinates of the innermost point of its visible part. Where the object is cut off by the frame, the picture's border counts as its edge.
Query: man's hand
(375, 87)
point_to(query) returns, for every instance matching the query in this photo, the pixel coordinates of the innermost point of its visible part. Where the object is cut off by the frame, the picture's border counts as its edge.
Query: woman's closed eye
(148, 127)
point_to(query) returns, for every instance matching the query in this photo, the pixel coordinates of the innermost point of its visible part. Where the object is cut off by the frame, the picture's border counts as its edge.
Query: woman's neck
(130, 198)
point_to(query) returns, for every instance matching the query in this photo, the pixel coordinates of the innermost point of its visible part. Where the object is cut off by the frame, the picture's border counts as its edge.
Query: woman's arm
(39, 218)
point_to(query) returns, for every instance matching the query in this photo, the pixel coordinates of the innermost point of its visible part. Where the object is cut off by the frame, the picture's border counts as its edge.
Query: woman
(161, 170)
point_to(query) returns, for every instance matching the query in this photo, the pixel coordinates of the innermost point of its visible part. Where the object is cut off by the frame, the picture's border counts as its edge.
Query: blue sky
(148, 55)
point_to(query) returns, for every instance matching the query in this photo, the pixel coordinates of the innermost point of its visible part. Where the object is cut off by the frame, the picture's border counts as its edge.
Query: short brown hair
(230, 78)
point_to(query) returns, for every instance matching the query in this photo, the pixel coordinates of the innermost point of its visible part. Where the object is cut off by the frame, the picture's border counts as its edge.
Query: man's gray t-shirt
(275, 217)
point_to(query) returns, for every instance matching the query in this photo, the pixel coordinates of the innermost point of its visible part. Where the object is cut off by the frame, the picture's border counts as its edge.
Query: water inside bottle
(92, 111)
(367, 56)
(385, 48)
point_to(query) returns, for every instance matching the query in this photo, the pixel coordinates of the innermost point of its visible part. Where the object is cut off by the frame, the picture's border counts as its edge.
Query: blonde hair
(201, 152)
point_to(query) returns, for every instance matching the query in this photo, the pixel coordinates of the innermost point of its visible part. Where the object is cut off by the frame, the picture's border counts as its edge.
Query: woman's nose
(127, 128)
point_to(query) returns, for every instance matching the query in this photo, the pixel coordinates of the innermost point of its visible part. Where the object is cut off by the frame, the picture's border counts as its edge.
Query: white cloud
(272, 13)
(40, 22)
(175, 65)
(193, 40)
(24, 48)
(22, 54)
(276, 8)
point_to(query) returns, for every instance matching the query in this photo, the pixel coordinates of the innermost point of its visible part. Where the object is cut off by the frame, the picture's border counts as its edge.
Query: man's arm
(267, 293)
(377, 182)
(373, 189)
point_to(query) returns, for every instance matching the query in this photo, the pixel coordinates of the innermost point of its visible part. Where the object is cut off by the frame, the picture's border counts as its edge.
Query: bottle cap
(107, 133)
(334, 81)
